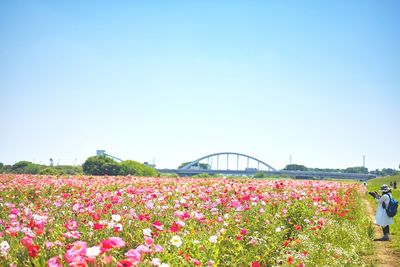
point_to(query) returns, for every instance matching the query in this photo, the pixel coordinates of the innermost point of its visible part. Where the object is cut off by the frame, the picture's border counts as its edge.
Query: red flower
(175, 227)
(290, 260)
(297, 227)
(97, 226)
(96, 217)
(124, 263)
(33, 251)
(255, 264)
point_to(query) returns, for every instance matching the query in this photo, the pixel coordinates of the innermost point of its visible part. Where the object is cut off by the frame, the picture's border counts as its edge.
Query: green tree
(131, 167)
(295, 167)
(101, 165)
(26, 167)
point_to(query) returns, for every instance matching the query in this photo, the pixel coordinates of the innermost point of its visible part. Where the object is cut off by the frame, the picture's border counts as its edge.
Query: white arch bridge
(232, 163)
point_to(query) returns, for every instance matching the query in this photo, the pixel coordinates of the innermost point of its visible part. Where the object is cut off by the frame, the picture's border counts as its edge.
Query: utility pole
(364, 161)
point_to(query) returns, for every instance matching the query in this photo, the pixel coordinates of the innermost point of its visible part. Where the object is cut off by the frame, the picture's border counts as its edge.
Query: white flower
(278, 229)
(116, 217)
(156, 262)
(93, 252)
(164, 265)
(213, 239)
(147, 232)
(196, 242)
(176, 241)
(4, 246)
(111, 225)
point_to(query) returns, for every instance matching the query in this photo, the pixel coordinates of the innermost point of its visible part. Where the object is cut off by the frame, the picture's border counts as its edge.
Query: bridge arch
(197, 161)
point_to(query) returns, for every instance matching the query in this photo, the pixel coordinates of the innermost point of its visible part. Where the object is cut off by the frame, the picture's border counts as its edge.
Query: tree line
(357, 169)
(96, 165)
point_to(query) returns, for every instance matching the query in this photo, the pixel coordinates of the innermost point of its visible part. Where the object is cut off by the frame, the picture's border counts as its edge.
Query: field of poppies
(128, 221)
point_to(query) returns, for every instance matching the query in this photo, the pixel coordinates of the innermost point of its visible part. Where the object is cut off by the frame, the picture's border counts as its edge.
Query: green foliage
(169, 175)
(131, 167)
(69, 170)
(359, 169)
(295, 167)
(26, 167)
(101, 165)
(204, 175)
(260, 175)
(50, 171)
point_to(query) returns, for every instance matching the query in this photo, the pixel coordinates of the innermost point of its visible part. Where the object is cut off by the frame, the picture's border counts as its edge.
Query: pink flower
(54, 262)
(106, 259)
(143, 249)
(196, 262)
(72, 234)
(49, 245)
(134, 256)
(26, 241)
(78, 249)
(158, 248)
(243, 231)
(148, 240)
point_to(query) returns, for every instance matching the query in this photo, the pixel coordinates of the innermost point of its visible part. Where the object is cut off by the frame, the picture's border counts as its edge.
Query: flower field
(128, 221)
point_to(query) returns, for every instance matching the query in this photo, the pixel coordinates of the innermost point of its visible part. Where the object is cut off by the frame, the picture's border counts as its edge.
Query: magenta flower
(158, 226)
(71, 225)
(112, 242)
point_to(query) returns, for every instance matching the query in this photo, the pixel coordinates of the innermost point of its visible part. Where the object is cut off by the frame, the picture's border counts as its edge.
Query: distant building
(100, 152)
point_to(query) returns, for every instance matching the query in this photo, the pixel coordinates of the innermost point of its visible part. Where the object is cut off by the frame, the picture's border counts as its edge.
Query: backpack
(391, 209)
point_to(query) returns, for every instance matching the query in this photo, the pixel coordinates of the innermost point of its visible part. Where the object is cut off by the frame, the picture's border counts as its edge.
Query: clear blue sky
(177, 80)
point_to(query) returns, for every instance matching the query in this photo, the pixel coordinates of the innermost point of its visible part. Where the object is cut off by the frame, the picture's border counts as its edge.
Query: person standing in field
(381, 217)
(394, 184)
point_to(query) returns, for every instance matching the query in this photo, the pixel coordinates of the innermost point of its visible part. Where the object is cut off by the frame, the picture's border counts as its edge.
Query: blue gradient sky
(176, 80)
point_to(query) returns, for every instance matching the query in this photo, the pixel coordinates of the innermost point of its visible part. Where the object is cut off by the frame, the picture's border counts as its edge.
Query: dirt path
(384, 255)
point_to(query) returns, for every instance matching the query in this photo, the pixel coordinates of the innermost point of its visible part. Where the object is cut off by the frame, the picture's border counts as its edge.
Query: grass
(374, 185)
